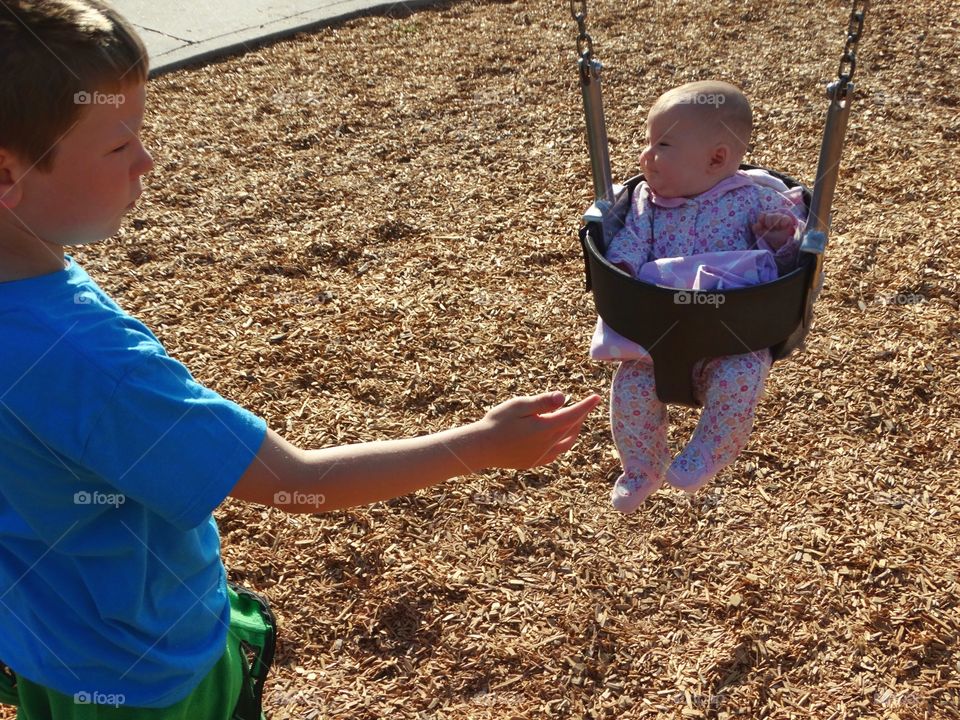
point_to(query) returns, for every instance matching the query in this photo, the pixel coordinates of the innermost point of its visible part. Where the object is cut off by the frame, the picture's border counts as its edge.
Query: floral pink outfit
(711, 247)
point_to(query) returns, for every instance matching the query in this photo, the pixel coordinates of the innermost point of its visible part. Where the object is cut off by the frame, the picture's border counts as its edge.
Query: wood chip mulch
(369, 232)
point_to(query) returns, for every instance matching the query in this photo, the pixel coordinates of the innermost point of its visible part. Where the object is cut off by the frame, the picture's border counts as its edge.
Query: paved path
(179, 34)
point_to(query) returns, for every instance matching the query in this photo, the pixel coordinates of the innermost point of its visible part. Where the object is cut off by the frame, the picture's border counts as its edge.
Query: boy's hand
(528, 431)
(775, 228)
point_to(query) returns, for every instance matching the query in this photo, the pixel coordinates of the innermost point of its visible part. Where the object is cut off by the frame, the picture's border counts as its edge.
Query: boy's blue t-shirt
(112, 459)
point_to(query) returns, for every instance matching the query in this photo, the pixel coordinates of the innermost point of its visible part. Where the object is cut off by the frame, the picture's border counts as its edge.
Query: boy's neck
(21, 260)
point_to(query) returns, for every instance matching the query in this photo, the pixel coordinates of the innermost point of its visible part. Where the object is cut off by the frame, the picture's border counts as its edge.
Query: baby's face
(676, 160)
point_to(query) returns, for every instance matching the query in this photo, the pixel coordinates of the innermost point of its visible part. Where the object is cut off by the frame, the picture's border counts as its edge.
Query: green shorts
(210, 701)
(217, 697)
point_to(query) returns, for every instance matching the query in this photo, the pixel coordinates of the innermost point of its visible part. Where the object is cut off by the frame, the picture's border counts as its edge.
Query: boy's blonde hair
(54, 55)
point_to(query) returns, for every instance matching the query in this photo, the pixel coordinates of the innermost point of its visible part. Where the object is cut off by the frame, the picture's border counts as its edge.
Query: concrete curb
(178, 37)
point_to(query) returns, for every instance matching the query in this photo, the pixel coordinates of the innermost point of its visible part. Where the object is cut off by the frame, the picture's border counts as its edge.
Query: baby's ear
(720, 157)
(10, 173)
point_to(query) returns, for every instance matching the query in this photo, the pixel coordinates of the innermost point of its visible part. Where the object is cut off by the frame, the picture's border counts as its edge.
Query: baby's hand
(775, 228)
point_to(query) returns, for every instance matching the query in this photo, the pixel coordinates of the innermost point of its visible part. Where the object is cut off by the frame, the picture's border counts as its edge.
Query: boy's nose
(144, 162)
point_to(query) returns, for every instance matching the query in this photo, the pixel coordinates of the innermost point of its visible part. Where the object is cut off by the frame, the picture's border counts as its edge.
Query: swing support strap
(817, 230)
(773, 315)
(589, 68)
(840, 93)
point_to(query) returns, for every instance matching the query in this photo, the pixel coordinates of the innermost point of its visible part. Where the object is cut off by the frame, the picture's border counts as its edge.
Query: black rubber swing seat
(680, 327)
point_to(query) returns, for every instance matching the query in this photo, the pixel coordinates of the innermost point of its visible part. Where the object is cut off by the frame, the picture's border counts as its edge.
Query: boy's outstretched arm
(520, 433)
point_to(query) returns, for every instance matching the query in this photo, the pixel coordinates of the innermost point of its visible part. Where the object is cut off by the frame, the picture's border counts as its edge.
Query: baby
(696, 222)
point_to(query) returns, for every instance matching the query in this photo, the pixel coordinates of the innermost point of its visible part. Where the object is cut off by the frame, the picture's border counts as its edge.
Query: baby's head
(697, 135)
(72, 78)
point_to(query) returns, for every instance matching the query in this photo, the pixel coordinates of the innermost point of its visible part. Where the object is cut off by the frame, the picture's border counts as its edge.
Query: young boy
(113, 601)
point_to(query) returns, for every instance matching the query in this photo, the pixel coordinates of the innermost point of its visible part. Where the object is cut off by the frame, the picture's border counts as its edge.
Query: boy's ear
(10, 174)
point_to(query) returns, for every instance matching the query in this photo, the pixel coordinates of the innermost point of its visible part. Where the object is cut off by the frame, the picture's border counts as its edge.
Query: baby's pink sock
(629, 492)
(689, 471)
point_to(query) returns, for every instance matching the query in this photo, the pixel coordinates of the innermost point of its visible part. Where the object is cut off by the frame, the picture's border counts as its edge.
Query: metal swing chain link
(848, 61)
(578, 11)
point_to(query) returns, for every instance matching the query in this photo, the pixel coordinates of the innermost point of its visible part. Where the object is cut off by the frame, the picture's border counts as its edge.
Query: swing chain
(848, 61)
(578, 10)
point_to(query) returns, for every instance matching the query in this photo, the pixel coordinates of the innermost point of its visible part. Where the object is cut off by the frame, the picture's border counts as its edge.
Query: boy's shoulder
(66, 318)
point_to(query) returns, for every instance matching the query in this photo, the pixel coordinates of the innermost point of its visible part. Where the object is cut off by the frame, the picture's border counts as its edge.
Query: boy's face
(95, 178)
(677, 161)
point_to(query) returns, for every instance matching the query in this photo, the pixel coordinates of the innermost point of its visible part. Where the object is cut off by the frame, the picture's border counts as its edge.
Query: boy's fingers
(539, 404)
(576, 412)
(565, 444)
(567, 435)
(566, 439)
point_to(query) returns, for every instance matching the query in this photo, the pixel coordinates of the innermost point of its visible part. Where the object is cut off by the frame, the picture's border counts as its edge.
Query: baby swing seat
(680, 327)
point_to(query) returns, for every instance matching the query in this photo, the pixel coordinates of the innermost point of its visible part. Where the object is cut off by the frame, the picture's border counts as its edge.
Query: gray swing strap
(817, 229)
(840, 94)
(590, 68)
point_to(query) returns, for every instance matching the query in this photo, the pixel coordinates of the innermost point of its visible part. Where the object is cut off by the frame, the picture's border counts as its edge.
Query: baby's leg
(639, 423)
(729, 388)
